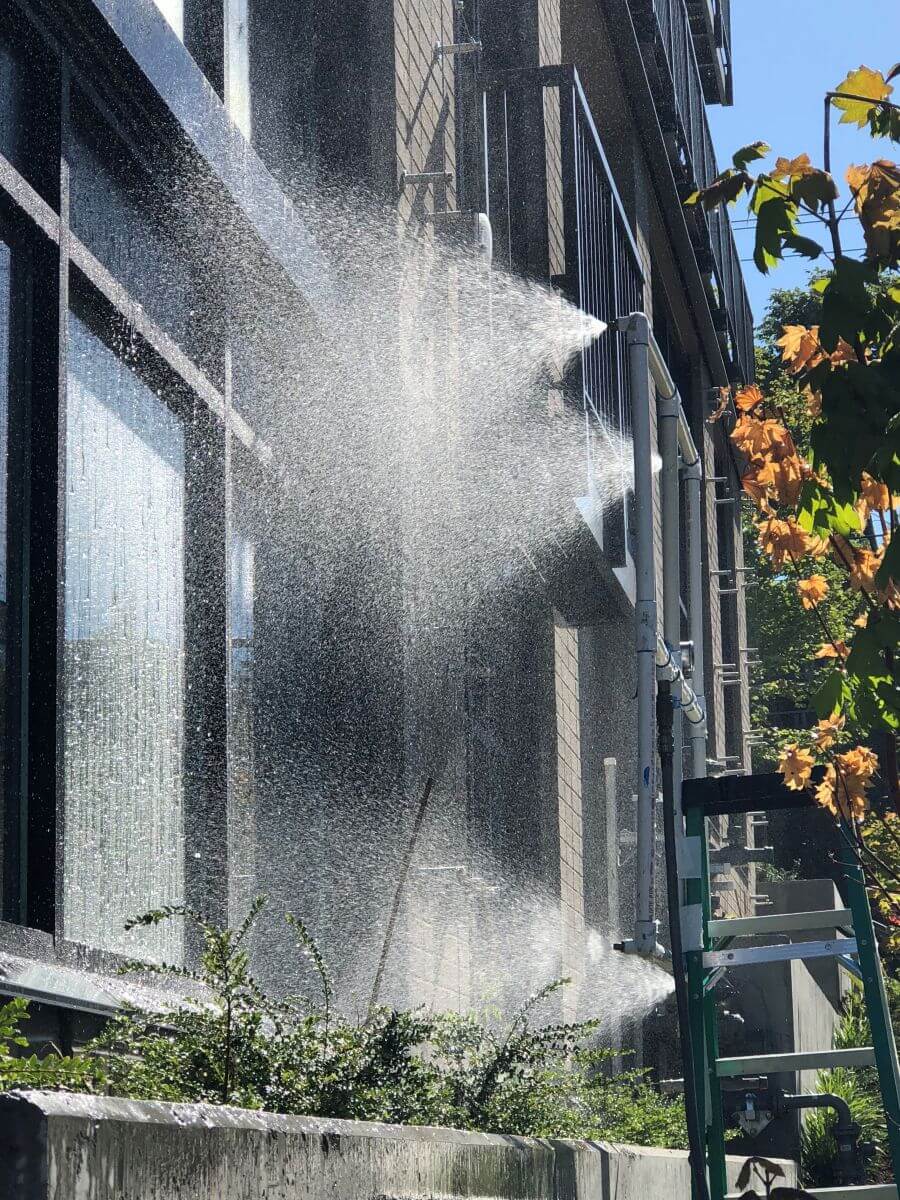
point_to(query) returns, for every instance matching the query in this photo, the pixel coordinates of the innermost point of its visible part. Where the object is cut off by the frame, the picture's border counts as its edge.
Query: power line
(796, 254)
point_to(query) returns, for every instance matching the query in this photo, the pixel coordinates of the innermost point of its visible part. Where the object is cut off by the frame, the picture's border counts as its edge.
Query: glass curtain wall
(123, 702)
(4, 530)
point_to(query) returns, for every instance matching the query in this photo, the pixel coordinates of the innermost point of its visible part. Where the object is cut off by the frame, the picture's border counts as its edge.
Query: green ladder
(708, 955)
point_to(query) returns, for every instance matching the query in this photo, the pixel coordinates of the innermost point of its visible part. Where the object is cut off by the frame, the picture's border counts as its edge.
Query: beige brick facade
(569, 798)
(425, 128)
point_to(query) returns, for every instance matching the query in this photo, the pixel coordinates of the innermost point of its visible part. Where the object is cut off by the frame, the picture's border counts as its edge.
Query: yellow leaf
(812, 591)
(796, 765)
(863, 82)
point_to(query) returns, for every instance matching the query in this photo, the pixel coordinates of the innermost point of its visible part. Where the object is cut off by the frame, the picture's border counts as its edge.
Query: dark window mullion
(47, 339)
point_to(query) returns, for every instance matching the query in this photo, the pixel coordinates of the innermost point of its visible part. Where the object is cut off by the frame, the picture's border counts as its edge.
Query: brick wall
(569, 796)
(425, 129)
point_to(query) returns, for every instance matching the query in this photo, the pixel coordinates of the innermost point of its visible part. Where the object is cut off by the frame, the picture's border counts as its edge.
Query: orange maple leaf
(825, 733)
(786, 478)
(793, 168)
(748, 398)
(812, 591)
(796, 765)
(722, 407)
(837, 649)
(876, 194)
(800, 349)
(825, 791)
(864, 569)
(785, 540)
(757, 438)
(813, 401)
(874, 496)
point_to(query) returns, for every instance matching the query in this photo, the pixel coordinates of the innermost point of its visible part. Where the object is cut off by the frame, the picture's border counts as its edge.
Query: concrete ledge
(55, 1146)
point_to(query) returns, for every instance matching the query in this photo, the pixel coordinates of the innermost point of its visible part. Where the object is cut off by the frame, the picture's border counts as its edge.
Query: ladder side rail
(877, 1007)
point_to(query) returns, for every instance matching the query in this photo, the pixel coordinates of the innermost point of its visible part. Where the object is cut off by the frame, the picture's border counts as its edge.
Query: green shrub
(860, 1089)
(52, 1071)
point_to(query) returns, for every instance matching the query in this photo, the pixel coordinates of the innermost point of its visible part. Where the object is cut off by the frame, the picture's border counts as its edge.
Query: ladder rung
(836, 918)
(865, 1191)
(754, 955)
(807, 1060)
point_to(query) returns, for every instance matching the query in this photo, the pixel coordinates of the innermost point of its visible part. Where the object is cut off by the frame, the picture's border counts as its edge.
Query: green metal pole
(876, 1006)
(703, 1019)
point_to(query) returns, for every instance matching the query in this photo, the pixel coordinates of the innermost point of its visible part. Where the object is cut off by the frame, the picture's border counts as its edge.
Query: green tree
(785, 632)
(826, 482)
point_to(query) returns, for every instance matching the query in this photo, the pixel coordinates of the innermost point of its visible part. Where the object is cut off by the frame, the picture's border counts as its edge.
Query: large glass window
(4, 529)
(123, 701)
(241, 768)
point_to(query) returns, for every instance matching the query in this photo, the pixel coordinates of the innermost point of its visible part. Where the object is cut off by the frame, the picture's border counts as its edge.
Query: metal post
(693, 474)
(877, 1006)
(637, 329)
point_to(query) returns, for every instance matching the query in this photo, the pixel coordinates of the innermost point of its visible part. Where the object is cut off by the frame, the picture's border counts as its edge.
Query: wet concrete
(64, 1147)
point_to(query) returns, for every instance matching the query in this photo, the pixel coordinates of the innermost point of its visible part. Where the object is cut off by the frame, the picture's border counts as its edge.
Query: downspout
(667, 409)
(636, 327)
(658, 657)
(675, 440)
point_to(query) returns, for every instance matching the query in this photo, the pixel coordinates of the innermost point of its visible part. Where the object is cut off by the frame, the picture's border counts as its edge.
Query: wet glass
(124, 694)
(241, 766)
(4, 530)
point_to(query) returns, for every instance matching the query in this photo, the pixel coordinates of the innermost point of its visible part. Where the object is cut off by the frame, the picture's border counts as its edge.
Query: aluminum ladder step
(865, 1191)
(756, 955)
(829, 918)
(806, 1060)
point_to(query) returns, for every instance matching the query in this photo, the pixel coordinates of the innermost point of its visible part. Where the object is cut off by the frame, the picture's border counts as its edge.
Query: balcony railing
(601, 270)
(711, 27)
(670, 57)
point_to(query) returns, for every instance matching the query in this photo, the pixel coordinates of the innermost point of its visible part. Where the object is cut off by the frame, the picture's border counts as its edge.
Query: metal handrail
(603, 272)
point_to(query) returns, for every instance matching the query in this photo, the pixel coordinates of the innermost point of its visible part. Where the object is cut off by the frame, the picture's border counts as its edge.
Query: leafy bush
(229, 1042)
(53, 1071)
(860, 1089)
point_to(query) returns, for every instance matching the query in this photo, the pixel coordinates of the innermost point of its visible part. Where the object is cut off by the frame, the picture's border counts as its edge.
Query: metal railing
(675, 75)
(602, 270)
(711, 26)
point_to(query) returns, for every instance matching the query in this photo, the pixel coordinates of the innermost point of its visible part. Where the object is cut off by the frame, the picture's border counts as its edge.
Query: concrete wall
(58, 1147)
(788, 1006)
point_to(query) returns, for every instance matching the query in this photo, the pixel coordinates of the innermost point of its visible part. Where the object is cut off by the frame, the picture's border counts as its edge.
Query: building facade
(257, 638)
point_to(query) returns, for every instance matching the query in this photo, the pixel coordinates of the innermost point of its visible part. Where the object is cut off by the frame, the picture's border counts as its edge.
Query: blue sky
(787, 54)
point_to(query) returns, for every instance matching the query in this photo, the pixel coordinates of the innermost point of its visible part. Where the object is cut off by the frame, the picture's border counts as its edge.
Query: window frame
(63, 275)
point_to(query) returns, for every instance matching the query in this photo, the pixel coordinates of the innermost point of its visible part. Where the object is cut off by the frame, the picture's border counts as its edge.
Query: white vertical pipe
(610, 767)
(693, 478)
(613, 914)
(637, 329)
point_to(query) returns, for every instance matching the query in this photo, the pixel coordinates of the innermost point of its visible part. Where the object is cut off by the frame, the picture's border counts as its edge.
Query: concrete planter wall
(62, 1147)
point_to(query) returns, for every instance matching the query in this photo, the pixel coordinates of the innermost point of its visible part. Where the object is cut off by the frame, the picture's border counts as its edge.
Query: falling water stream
(416, 468)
